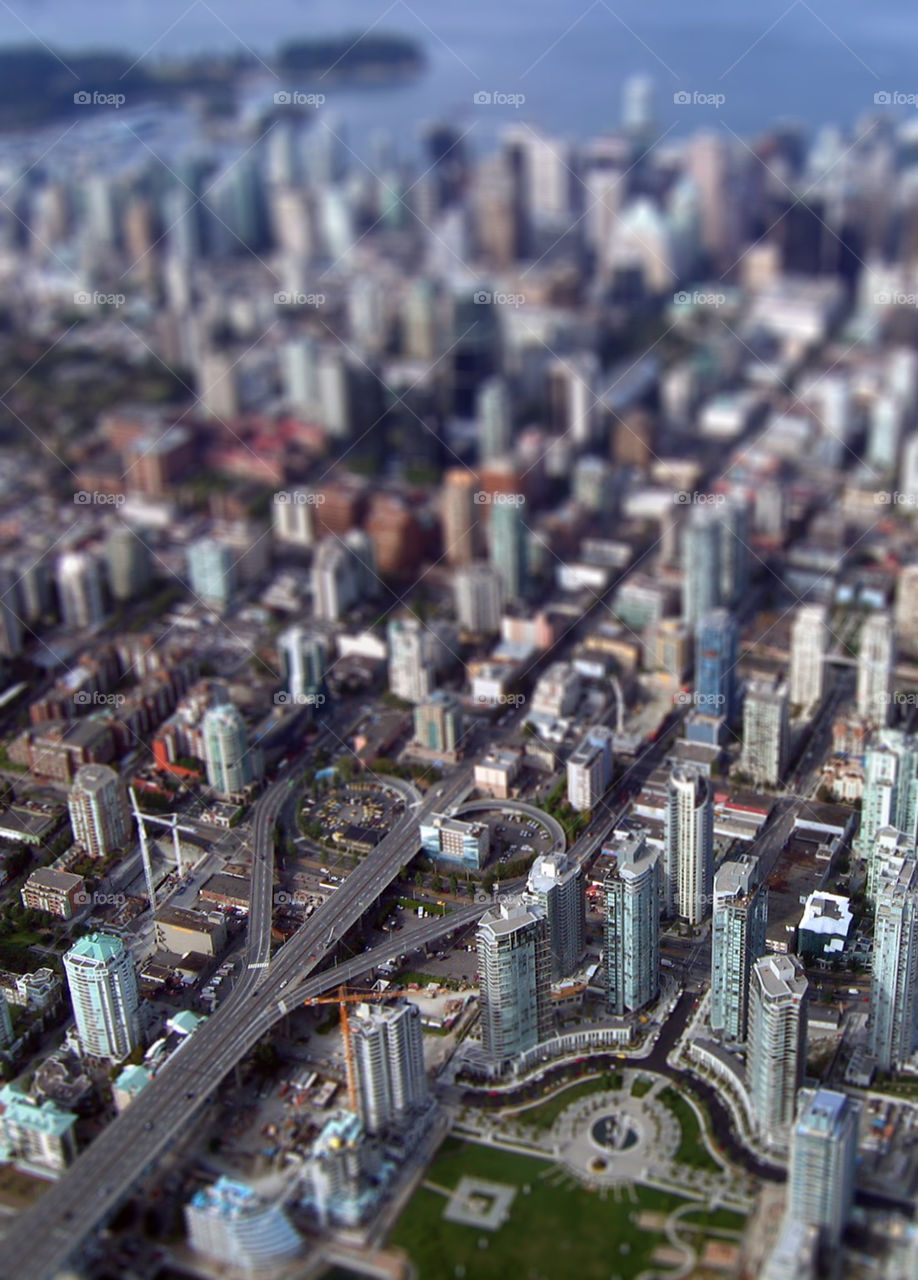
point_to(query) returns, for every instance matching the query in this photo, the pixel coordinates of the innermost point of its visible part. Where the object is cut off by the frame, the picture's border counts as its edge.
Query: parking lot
(513, 835)
(353, 816)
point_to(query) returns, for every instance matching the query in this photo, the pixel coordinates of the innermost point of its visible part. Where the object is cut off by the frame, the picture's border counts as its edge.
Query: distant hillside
(353, 56)
(36, 85)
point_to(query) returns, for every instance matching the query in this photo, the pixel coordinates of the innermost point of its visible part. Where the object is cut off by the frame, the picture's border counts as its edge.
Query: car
(190, 1095)
(148, 1126)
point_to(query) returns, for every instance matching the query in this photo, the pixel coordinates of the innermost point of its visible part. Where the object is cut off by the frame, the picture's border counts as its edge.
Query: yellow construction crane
(342, 999)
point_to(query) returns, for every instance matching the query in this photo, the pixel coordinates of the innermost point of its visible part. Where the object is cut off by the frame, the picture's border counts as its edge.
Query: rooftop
(97, 946)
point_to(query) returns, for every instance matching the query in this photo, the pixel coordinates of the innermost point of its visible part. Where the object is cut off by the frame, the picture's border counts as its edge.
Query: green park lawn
(555, 1231)
(542, 1115)
(692, 1150)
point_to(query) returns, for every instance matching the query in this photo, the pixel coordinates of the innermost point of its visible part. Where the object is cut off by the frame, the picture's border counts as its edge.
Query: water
(818, 61)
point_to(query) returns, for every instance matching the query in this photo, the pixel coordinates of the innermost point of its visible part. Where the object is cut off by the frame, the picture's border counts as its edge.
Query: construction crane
(171, 821)
(342, 999)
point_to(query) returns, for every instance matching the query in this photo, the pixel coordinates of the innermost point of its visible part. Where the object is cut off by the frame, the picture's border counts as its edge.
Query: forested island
(38, 85)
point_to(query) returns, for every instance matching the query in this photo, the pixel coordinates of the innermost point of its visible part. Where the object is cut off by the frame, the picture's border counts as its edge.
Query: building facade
(514, 970)
(556, 884)
(876, 658)
(388, 1047)
(688, 860)
(766, 732)
(740, 919)
(103, 990)
(632, 891)
(776, 1043)
(230, 764)
(100, 812)
(809, 643)
(893, 1021)
(823, 1157)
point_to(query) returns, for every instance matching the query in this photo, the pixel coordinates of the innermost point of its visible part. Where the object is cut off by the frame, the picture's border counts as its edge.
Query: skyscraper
(766, 732)
(212, 572)
(638, 110)
(130, 563)
(714, 557)
(12, 611)
(417, 654)
(874, 668)
(461, 524)
(304, 658)
(388, 1046)
(495, 420)
(688, 860)
(479, 598)
(589, 771)
(716, 640)
(556, 885)
(823, 1158)
(893, 1022)
(890, 792)
(809, 642)
(632, 884)
(776, 1043)
(907, 608)
(514, 969)
(231, 765)
(507, 547)
(79, 589)
(100, 812)
(103, 991)
(701, 565)
(438, 723)
(344, 574)
(738, 927)
(712, 167)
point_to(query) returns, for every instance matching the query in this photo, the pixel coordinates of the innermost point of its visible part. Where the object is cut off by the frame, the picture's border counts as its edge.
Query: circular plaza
(613, 1137)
